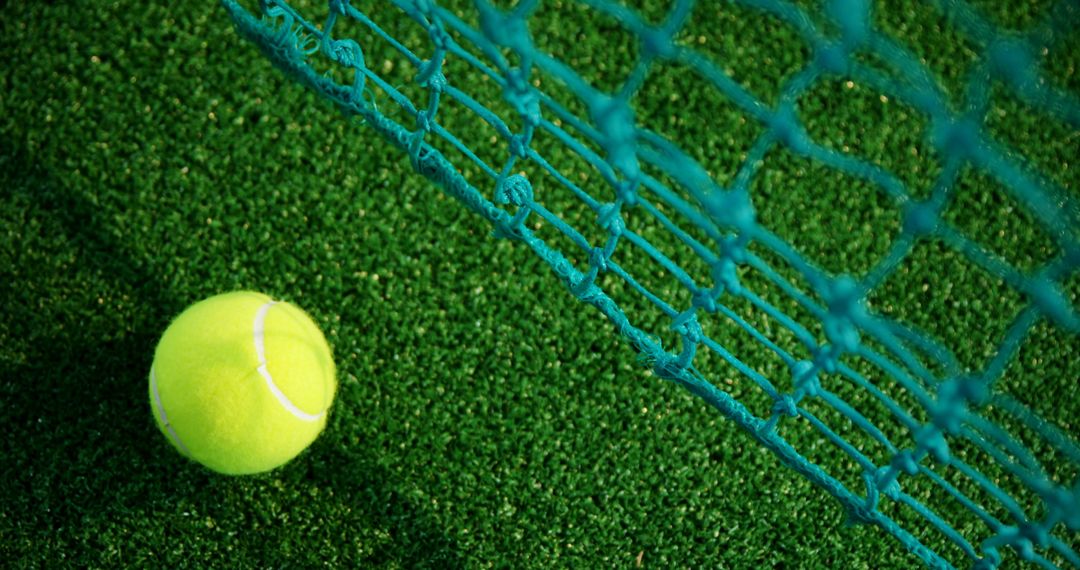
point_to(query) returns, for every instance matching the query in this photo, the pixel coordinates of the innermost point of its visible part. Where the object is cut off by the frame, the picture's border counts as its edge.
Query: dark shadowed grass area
(149, 158)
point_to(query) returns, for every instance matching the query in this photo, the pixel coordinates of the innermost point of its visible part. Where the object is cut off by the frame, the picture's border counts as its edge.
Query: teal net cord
(935, 410)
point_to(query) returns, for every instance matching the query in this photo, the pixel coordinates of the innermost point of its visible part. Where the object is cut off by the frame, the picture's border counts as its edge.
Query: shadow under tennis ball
(84, 472)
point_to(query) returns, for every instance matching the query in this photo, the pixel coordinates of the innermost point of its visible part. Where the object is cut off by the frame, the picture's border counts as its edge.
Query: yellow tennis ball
(242, 383)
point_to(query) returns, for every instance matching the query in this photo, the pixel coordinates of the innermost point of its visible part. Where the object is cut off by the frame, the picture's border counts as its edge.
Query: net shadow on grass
(87, 476)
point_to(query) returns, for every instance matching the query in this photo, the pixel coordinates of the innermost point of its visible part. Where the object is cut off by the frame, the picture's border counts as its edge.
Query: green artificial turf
(150, 158)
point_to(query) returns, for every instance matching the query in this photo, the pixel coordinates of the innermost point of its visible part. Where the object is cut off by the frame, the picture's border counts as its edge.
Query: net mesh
(614, 187)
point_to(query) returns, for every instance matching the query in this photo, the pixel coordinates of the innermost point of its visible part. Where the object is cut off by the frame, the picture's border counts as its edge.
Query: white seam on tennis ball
(260, 352)
(160, 408)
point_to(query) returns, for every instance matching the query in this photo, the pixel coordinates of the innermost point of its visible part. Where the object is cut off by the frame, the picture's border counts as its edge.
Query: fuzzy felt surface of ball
(242, 383)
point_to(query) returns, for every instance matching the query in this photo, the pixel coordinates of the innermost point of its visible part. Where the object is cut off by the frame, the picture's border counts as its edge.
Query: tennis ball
(242, 383)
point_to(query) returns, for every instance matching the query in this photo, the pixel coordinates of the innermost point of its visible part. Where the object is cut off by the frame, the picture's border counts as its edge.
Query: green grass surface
(149, 158)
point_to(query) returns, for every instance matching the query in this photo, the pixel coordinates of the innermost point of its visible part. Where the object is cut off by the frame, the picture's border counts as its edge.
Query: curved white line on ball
(160, 409)
(260, 352)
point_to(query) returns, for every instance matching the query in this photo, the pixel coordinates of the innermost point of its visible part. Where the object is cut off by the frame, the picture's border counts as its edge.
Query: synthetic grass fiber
(150, 158)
